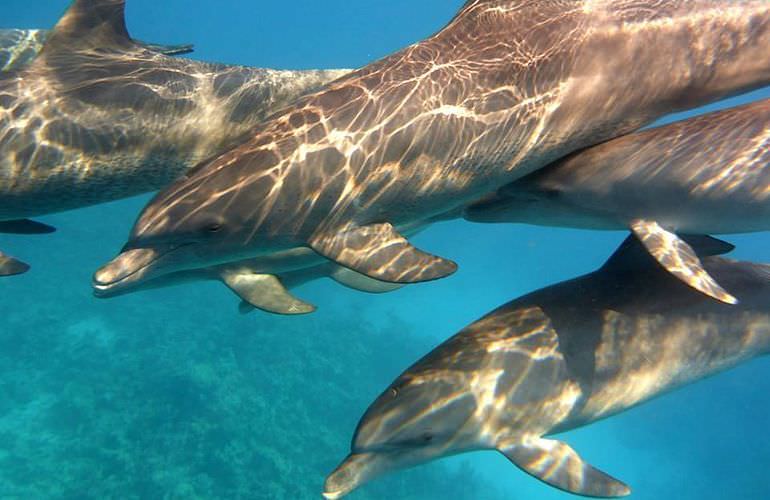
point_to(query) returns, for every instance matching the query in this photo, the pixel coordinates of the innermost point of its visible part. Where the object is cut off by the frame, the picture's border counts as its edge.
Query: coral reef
(134, 406)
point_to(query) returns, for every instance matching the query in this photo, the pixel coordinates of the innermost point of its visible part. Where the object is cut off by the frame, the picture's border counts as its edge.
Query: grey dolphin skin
(258, 289)
(505, 88)
(704, 175)
(267, 292)
(97, 117)
(20, 47)
(558, 359)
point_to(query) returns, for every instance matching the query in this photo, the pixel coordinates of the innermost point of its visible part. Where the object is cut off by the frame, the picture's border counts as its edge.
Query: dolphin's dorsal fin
(89, 24)
(632, 255)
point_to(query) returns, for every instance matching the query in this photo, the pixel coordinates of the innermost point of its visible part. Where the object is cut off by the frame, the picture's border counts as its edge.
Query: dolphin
(97, 117)
(258, 290)
(505, 88)
(558, 359)
(704, 175)
(20, 47)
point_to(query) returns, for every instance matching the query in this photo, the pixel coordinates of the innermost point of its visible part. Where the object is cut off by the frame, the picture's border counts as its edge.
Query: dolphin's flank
(558, 359)
(504, 89)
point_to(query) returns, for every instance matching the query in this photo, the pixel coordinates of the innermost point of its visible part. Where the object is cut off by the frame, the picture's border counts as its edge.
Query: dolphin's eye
(427, 437)
(214, 227)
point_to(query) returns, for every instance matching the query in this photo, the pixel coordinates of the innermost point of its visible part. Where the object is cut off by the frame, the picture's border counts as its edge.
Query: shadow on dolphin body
(98, 116)
(504, 89)
(561, 358)
(703, 175)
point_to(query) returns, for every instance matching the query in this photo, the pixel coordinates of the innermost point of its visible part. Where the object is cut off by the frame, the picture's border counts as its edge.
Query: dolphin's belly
(733, 208)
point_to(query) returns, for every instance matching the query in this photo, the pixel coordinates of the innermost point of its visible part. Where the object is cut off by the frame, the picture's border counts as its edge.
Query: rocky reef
(100, 405)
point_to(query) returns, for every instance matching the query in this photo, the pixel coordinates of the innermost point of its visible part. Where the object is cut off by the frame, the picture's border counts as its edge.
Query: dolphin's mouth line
(101, 288)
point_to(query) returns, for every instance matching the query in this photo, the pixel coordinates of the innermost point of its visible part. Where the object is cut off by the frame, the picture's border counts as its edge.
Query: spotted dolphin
(20, 47)
(562, 358)
(505, 88)
(704, 175)
(97, 117)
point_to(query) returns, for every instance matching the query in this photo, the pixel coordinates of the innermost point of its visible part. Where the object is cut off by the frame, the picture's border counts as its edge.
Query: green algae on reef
(133, 406)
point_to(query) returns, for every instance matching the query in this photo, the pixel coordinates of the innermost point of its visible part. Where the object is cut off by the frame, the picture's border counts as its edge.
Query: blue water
(171, 394)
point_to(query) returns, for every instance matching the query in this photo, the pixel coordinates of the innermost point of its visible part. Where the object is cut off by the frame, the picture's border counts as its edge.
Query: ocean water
(171, 394)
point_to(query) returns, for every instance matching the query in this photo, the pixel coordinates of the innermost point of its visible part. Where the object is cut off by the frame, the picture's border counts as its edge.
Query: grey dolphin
(261, 283)
(506, 88)
(260, 290)
(20, 47)
(704, 175)
(97, 117)
(558, 359)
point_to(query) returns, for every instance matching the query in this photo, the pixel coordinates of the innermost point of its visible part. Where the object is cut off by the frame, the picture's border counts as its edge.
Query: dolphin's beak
(355, 470)
(129, 268)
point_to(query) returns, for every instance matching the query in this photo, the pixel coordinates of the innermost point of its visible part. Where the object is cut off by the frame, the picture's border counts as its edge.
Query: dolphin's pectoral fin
(557, 464)
(266, 292)
(245, 308)
(380, 252)
(10, 266)
(168, 50)
(358, 281)
(25, 226)
(679, 258)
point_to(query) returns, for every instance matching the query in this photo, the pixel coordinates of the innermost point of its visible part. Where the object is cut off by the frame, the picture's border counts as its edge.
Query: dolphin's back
(640, 332)
(98, 117)
(609, 340)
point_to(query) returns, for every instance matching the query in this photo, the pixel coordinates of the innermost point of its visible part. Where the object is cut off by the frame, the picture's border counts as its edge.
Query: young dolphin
(256, 288)
(97, 117)
(705, 175)
(20, 47)
(268, 292)
(507, 87)
(558, 359)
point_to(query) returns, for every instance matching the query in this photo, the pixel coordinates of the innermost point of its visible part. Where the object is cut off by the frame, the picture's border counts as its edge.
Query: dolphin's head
(419, 418)
(201, 220)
